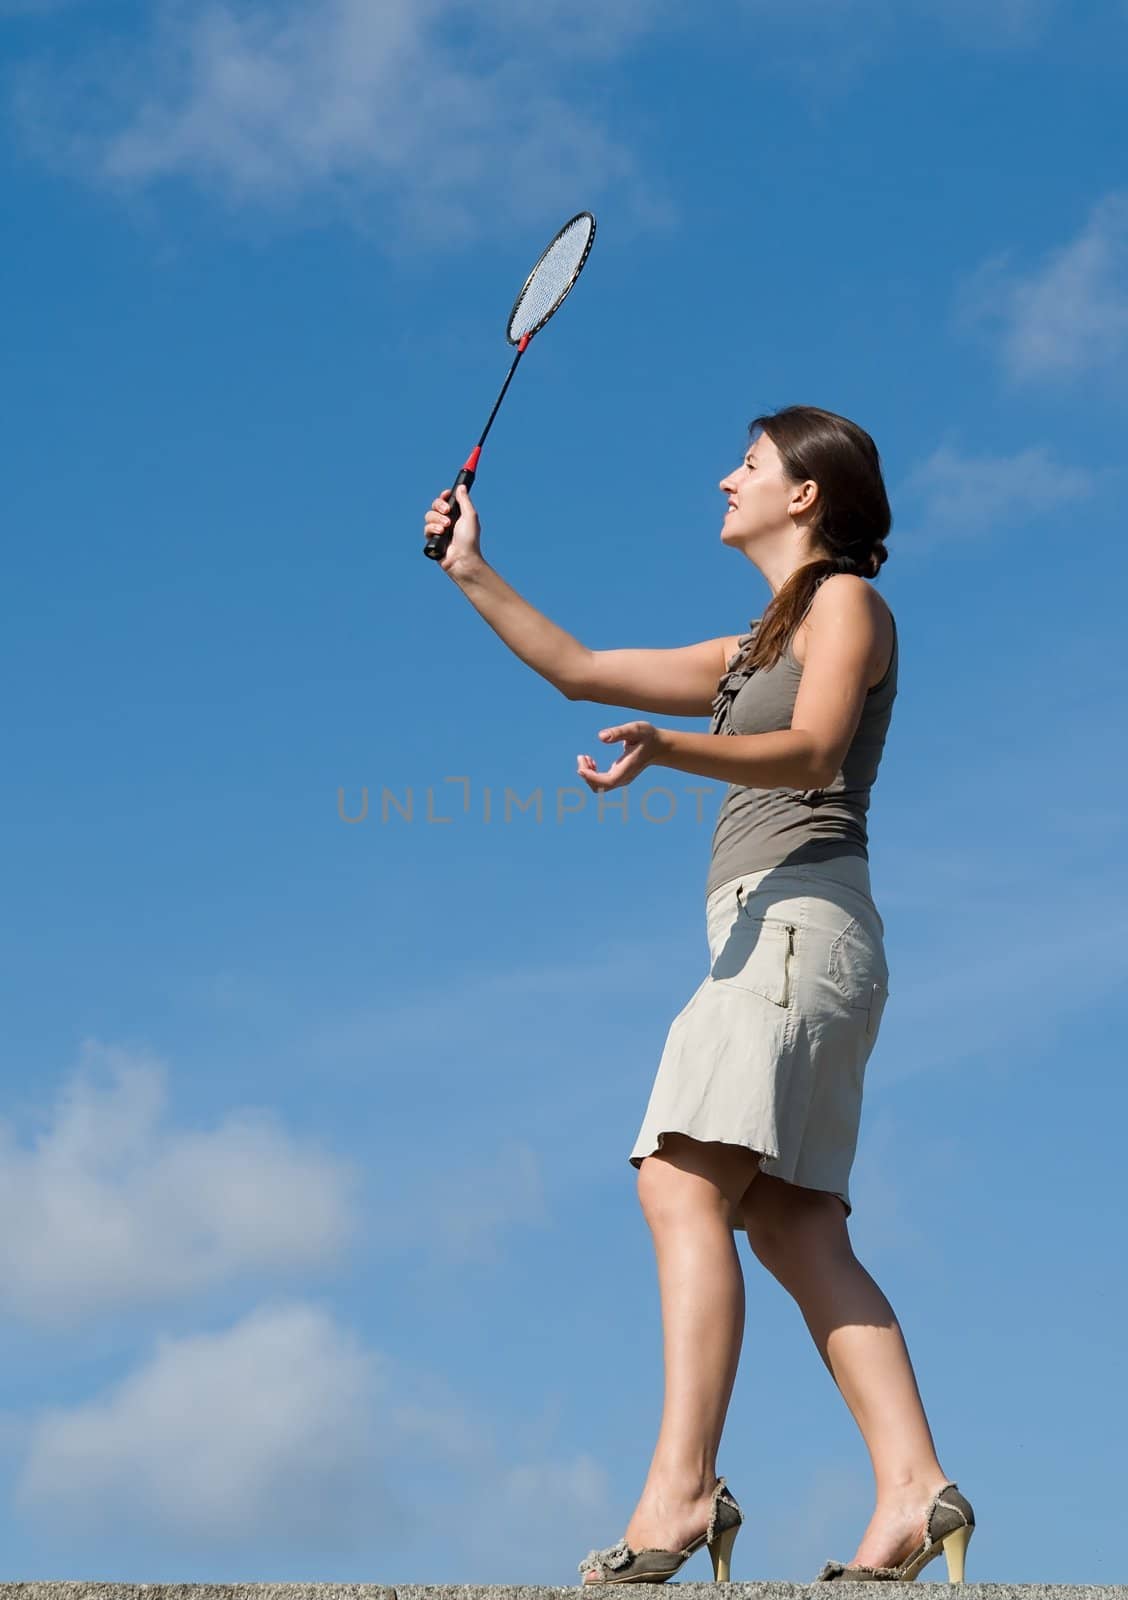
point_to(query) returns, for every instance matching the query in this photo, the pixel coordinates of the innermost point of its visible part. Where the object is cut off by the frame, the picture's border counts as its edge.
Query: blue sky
(322, 1257)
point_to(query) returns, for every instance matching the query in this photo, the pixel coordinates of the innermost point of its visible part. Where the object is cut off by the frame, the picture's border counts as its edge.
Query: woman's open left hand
(640, 741)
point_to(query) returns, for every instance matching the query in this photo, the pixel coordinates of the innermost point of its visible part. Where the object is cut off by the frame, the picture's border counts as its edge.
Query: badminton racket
(542, 294)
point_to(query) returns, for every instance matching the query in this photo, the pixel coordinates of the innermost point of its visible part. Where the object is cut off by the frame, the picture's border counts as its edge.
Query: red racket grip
(438, 544)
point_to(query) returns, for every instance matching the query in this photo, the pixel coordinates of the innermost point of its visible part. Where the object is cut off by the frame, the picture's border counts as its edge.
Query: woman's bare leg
(801, 1236)
(688, 1191)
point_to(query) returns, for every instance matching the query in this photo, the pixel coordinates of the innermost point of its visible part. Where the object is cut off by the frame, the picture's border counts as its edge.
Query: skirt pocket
(758, 954)
(857, 968)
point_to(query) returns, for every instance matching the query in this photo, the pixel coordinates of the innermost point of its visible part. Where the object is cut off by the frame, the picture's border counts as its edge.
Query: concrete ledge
(424, 1591)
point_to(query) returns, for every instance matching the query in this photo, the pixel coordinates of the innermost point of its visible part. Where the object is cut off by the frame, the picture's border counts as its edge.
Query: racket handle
(436, 546)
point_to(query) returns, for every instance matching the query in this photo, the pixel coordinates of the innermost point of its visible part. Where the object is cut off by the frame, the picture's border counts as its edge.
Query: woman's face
(759, 496)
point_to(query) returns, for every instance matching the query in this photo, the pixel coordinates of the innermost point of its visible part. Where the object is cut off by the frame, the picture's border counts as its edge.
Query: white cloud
(435, 117)
(964, 496)
(263, 1430)
(445, 114)
(109, 1210)
(1070, 316)
(285, 1429)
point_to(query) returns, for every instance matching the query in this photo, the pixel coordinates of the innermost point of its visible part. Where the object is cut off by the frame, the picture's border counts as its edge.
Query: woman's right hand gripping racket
(543, 293)
(457, 533)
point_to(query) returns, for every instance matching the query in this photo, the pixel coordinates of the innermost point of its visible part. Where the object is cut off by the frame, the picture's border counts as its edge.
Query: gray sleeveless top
(759, 828)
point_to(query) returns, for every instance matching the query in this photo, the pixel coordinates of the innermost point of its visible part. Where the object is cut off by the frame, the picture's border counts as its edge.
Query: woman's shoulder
(849, 588)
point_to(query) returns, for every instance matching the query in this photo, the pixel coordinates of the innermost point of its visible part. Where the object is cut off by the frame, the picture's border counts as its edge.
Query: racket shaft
(436, 547)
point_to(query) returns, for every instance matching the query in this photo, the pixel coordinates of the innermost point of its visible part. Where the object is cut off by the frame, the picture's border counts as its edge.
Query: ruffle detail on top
(733, 681)
(728, 689)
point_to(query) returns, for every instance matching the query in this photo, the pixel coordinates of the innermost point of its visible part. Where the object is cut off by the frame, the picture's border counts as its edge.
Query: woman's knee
(688, 1172)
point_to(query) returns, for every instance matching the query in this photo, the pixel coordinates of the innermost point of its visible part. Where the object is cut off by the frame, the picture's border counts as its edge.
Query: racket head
(552, 278)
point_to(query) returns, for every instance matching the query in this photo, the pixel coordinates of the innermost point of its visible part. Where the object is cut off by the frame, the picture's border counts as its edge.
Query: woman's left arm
(844, 637)
(788, 759)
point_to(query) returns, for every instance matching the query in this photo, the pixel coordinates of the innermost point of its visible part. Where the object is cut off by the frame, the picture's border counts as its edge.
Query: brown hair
(852, 514)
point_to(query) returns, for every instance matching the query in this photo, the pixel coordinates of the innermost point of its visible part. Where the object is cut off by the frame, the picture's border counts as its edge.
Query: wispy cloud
(266, 1429)
(110, 1210)
(431, 118)
(1070, 315)
(414, 113)
(286, 1428)
(960, 496)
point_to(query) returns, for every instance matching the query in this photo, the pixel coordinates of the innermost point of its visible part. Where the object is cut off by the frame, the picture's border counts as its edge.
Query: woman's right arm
(679, 682)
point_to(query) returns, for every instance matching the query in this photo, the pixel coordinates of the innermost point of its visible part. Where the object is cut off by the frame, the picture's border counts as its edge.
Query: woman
(753, 1117)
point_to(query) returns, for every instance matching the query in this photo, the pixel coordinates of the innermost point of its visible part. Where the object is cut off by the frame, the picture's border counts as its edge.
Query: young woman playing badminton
(753, 1116)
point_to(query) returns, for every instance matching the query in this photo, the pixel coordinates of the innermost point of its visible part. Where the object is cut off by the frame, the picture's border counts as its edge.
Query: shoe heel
(721, 1552)
(955, 1547)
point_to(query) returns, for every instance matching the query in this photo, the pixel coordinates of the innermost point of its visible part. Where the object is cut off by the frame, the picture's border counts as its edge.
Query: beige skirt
(771, 1049)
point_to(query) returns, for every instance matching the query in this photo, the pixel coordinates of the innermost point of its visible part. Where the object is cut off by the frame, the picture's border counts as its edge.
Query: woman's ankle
(908, 1487)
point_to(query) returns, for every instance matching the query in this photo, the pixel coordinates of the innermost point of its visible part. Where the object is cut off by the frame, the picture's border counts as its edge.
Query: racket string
(552, 277)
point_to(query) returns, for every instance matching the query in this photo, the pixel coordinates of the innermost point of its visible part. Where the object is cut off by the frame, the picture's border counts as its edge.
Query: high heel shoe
(619, 1563)
(948, 1527)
